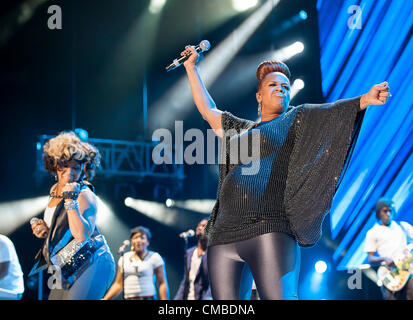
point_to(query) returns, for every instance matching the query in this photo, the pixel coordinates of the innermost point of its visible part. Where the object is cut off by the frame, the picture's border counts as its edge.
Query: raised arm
(203, 101)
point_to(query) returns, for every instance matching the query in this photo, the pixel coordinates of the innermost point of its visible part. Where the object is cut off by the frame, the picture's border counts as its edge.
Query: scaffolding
(125, 159)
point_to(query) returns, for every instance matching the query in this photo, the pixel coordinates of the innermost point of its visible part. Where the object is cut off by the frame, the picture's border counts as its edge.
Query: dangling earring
(55, 177)
(259, 109)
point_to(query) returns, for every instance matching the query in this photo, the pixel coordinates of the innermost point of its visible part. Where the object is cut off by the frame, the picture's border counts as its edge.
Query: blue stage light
(82, 133)
(320, 266)
(303, 15)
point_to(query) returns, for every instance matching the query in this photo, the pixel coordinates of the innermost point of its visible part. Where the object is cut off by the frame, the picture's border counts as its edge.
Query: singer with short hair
(260, 220)
(73, 246)
(195, 284)
(136, 270)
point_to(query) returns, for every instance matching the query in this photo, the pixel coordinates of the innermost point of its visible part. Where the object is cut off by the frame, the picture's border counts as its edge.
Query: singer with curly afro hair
(72, 240)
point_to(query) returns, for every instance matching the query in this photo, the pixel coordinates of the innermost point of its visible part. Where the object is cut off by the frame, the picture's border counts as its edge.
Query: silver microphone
(204, 45)
(122, 248)
(187, 234)
(34, 221)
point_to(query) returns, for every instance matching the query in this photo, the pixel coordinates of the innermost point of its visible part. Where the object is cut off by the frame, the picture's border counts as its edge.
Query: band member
(195, 284)
(11, 275)
(136, 270)
(69, 223)
(386, 241)
(259, 220)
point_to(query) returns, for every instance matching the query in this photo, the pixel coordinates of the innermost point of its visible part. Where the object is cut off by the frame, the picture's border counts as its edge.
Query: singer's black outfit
(301, 159)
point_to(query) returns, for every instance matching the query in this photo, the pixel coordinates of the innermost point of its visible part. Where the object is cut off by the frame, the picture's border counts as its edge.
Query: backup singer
(136, 270)
(195, 284)
(260, 220)
(70, 220)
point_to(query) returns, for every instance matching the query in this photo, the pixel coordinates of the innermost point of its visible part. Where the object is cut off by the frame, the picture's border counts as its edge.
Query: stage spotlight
(82, 134)
(243, 5)
(202, 206)
(128, 201)
(156, 6)
(320, 266)
(169, 203)
(286, 53)
(14, 214)
(104, 213)
(296, 47)
(156, 211)
(303, 15)
(299, 84)
(179, 98)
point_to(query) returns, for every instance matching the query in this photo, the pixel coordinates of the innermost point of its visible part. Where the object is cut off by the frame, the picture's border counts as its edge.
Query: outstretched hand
(377, 95)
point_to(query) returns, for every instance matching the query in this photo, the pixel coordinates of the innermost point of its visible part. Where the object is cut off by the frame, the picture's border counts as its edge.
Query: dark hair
(142, 230)
(382, 203)
(269, 66)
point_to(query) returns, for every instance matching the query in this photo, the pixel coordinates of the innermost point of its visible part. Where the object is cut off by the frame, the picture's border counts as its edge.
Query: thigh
(95, 281)
(225, 272)
(274, 260)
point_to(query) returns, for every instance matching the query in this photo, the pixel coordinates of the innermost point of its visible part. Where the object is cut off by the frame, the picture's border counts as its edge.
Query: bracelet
(70, 195)
(72, 205)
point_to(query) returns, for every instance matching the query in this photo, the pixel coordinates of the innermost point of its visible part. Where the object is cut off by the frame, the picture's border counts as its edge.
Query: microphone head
(191, 233)
(205, 45)
(126, 243)
(33, 221)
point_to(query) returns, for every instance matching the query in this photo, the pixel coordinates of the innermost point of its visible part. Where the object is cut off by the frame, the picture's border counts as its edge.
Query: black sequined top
(289, 182)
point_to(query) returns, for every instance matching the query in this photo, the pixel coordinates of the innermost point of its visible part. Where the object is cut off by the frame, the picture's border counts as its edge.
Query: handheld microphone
(122, 248)
(204, 45)
(34, 221)
(187, 234)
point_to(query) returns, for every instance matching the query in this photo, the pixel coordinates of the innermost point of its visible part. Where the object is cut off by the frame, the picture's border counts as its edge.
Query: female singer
(73, 244)
(260, 220)
(136, 270)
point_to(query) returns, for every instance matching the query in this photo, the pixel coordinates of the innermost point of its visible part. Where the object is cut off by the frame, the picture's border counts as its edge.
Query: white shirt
(139, 275)
(48, 215)
(388, 241)
(193, 271)
(13, 281)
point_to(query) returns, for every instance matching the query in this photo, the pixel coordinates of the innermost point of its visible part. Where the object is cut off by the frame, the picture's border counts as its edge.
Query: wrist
(363, 103)
(71, 204)
(190, 67)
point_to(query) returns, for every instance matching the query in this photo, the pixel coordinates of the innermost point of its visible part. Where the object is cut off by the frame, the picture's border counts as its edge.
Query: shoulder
(156, 258)
(4, 240)
(229, 121)
(191, 249)
(373, 230)
(89, 196)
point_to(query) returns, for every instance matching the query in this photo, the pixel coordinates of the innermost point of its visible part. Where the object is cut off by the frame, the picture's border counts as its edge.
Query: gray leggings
(93, 283)
(272, 259)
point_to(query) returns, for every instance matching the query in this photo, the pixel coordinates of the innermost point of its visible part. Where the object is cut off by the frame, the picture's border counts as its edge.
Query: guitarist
(389, 239)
